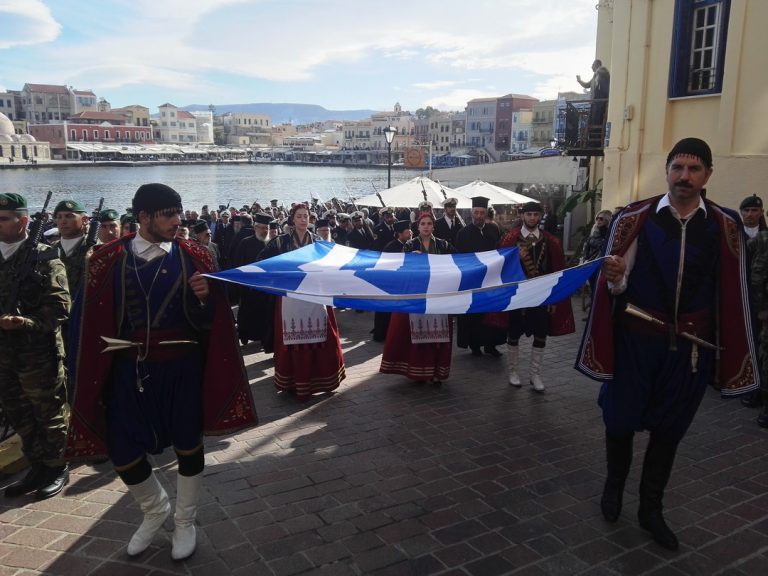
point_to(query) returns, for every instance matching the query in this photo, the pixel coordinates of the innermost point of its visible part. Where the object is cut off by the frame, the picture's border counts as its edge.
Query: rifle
(27, 259)
(424, 191)
(93, 229)
(383, 204)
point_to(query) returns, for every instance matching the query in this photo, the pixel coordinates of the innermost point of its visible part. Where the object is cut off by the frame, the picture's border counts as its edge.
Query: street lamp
(389, 134)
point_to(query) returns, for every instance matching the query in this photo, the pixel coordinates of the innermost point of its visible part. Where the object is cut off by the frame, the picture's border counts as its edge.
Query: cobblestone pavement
(388, 477)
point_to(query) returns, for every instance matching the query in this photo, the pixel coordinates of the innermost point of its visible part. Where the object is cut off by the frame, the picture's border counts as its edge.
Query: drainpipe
(635, 189)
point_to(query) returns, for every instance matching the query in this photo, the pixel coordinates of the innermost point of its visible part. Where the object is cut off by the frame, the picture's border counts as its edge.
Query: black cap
(322, 223)
(692, 147)
(753, 201)
(154, 197)
(274, 225)
(261, 218)
(401, 226)
(200, 227)
(531, 207)
(479, 202)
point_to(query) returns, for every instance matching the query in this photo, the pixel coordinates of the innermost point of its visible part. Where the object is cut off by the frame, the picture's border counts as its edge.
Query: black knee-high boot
(618, 456)
(657, 466)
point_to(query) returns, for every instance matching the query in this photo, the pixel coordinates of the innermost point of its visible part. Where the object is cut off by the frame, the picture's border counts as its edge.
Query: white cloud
(313, 47)
(26, 23)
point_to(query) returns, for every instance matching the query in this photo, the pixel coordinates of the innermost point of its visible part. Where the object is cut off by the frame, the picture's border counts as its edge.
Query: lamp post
(389, 134)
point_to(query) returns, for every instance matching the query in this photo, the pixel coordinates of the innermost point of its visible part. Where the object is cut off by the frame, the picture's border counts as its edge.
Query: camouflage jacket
(758, 254)
(74, 264)
(44, 299)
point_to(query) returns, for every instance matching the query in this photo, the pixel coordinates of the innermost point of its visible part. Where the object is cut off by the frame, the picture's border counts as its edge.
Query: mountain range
(287, 113)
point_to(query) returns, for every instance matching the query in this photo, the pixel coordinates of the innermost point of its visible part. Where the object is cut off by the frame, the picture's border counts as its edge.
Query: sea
(234, 184)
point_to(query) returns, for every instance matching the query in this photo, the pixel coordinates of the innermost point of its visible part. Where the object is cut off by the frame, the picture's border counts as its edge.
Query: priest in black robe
(474, 332)
(256, 313)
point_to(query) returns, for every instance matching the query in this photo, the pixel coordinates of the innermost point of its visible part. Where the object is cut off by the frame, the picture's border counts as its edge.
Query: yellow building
(683, 68)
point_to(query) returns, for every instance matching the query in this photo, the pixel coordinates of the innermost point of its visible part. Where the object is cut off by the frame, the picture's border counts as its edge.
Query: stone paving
(387, 477)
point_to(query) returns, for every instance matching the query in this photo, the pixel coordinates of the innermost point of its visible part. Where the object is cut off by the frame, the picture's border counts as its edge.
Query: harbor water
(212, 184)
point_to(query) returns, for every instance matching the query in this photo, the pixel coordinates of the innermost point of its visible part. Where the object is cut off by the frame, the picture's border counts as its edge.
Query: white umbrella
(413, 192)
(496, 194)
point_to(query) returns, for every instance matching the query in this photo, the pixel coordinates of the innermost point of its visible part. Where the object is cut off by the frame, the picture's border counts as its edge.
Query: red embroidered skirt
(429, 361)
(308, 368)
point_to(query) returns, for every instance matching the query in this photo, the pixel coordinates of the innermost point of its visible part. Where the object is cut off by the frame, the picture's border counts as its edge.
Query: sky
(340, 54)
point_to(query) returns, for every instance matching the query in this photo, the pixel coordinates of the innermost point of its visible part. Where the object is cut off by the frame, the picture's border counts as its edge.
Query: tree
(428, 112)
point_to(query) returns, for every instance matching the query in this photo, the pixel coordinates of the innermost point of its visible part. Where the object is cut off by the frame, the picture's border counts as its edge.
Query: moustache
(683, 184)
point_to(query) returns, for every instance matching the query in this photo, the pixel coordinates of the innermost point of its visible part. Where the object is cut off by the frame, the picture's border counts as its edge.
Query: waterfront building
(8, 105)
(506, 107)
(678, 69)
(247, 128)
(205, 125)
(543, 123)
(521, 128)
(44, 103)
(135, 114)
(85, 101)
(176, 126)
(15, 148)
(481, 125)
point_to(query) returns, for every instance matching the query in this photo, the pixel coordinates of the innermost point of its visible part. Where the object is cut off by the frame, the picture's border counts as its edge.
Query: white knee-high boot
(187, 497)
(513, 361)
(153, 501)
(537, 355)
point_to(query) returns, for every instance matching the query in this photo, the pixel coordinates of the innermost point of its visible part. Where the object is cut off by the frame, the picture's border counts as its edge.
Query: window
(73, 134)
(95, 134)
(698, 47)
(85, 134)
(117, 134)
(106, 134)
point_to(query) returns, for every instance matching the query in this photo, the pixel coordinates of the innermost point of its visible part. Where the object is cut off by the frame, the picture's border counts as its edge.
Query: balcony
(581, 127)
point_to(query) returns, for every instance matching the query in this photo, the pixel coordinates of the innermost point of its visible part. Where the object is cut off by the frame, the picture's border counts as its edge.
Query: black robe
(472, 331)
(256, 314)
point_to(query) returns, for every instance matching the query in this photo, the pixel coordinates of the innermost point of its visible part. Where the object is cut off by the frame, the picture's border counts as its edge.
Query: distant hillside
(287, 113)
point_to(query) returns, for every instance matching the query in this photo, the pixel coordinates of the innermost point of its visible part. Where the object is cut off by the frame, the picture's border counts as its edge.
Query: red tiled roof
(185, 114)
(84, 92)
(47, 88)
(166, 105)
(98, 116)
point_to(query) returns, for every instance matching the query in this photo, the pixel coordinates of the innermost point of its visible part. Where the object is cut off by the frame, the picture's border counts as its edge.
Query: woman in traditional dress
(308, 356)
(418, 346)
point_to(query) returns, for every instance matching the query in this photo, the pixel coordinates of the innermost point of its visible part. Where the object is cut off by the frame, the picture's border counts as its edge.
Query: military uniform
(758, 248)
(32, 380)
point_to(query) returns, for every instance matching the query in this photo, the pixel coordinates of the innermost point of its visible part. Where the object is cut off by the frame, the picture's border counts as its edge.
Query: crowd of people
(118, 322)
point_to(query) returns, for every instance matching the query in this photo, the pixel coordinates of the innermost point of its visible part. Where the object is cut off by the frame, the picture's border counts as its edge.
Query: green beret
(108, 215)
(68, 206)
(753, 201)
(12, 202)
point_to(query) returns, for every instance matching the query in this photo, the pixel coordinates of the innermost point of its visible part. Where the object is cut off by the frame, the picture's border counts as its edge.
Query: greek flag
(335, 275)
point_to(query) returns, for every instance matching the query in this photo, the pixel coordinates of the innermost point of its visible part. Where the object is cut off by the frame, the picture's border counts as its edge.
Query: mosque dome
(28, 138)
(6, 126)
(6, 139)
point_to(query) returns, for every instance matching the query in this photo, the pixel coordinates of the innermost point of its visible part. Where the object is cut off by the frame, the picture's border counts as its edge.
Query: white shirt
(69, 244)
(631, 254)
(752, 230)
(524, 232)
(147, 250)
(9, 249)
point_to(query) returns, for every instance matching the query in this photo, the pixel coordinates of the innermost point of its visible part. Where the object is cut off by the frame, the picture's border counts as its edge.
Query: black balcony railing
(581, 127)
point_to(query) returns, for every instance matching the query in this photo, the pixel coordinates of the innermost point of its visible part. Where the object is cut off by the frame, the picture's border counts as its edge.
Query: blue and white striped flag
(344, 277)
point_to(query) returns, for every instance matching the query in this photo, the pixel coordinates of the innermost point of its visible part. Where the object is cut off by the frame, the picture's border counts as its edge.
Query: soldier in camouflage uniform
(72, 221)
(32, 389)
(758, 249)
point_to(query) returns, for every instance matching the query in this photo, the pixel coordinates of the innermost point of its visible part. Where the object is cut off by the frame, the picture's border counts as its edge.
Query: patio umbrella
(411, 193)
(497, 195)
